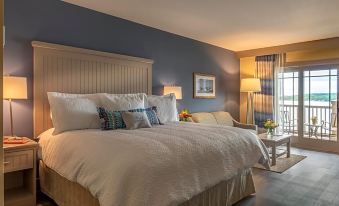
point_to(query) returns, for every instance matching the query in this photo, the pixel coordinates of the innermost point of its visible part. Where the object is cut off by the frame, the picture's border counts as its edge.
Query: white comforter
(159, 166)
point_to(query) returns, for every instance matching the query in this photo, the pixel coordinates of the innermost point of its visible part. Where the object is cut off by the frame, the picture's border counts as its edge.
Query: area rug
(283, 163)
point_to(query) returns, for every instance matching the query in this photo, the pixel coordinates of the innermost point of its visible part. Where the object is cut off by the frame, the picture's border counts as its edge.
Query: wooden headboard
(68, 69)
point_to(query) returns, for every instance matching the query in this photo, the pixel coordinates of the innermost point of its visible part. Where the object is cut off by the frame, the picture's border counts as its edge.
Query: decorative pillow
(151, 113)
(73, 112)
(166, 107)
(123, 102)
(111, 119)
(135, 120)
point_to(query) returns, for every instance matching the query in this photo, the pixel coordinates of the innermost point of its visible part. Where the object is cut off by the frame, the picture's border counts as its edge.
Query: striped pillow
(151, 113)
(113, 119)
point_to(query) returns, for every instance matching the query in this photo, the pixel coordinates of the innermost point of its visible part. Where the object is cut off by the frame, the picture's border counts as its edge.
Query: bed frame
(68, 69)
(67, 193)
(59, 68)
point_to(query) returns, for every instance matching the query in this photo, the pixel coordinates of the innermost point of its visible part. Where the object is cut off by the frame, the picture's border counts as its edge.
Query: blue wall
(175, 57)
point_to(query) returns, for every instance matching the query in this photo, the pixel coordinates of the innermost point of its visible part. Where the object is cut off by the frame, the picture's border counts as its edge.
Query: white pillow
(74, 111)
(123, 102)
(166, 107)
(96, 98)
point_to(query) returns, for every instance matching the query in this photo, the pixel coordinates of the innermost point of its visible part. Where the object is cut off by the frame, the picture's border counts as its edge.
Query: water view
(319, 102)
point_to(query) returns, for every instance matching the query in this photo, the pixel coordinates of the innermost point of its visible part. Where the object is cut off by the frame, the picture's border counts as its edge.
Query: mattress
(164, 165)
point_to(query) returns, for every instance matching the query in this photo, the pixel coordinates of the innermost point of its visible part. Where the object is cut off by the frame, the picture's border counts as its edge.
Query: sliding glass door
(308, 106)
(288, 102)
(320, 103)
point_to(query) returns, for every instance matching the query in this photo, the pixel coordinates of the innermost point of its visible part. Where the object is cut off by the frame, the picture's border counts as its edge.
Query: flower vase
(270, 131)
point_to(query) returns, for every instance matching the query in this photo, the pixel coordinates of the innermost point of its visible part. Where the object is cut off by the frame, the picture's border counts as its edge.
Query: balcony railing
(325, 128)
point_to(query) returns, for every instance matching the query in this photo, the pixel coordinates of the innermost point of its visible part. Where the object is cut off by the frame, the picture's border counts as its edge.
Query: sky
(319, 83)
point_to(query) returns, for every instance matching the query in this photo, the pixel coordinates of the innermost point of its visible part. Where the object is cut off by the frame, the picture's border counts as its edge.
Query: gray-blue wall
(175, 57)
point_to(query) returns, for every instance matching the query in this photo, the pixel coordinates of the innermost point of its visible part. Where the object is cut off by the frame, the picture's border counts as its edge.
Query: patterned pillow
(111, 119)
(151, 113)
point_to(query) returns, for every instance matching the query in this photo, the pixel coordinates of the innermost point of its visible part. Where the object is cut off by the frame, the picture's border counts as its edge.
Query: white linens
(123, 102)
(74, 111)
(159, 166)
(166, 107)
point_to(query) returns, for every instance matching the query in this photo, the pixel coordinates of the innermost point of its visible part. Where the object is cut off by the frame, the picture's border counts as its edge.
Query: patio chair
(289, 124)
(331, 127)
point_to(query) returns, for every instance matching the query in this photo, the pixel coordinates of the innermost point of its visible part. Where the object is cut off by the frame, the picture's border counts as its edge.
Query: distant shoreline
(314, 97)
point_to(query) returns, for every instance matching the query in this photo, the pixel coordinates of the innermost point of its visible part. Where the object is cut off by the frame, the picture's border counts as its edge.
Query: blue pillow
(151, 113)
(113, 119)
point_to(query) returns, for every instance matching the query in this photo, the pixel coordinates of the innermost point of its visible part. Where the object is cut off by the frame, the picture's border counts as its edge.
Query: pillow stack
(114, 119)
(110, 111)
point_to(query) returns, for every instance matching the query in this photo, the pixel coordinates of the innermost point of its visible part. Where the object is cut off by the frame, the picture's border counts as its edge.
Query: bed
(177, 163)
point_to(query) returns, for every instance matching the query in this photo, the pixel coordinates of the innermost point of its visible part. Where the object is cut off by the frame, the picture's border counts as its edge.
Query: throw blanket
(160, 166)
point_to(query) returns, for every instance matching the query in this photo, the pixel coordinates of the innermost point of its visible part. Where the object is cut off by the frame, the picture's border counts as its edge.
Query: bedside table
(20, 173)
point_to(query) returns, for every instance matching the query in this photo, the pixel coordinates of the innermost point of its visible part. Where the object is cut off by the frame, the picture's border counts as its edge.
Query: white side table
(273, 141)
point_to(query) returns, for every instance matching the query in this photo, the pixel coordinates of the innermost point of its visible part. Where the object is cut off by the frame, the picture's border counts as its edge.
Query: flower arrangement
(270, 125)
(184, 115)
(314, 120)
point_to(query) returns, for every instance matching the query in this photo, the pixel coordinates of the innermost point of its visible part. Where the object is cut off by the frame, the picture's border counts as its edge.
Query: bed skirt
(67, 193)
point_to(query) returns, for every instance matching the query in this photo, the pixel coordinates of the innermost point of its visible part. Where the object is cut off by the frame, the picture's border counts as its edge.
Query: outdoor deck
(325, 128)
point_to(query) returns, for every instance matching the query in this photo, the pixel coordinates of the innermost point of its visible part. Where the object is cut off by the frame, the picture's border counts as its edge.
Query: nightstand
(20, 173)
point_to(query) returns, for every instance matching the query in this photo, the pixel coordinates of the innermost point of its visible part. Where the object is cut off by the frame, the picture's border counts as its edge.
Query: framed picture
(204, 86)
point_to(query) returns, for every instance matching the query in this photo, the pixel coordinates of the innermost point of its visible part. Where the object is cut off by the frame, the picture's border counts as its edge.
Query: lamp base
(250, 109)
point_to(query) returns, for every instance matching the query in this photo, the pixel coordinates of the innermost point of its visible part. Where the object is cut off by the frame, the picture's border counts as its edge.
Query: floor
(312, 182)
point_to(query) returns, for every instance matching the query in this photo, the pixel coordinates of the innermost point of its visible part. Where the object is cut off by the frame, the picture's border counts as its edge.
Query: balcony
(324, 129)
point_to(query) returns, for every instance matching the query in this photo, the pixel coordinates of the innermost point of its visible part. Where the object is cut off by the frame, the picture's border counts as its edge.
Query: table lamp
(250, 85)
(173, 90)
(14, 88)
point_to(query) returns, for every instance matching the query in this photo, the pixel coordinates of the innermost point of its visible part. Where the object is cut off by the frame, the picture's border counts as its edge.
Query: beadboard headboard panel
(59, 68)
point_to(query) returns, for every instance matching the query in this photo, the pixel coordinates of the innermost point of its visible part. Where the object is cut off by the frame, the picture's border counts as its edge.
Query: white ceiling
(232, 24)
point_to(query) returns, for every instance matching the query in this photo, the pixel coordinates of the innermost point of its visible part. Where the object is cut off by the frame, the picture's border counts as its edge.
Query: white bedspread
(159, 166)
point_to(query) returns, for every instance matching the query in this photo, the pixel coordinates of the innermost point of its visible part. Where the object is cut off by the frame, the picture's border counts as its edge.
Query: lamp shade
(173, 90)
(14, 87)
(250, 85)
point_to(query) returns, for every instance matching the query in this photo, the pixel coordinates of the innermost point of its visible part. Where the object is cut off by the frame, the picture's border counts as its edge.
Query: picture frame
(203, 86)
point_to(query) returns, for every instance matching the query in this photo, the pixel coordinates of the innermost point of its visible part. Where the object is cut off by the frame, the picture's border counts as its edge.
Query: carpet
(283, 163)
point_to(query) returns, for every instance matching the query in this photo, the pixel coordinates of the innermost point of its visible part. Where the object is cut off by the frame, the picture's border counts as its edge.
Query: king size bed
(176, 163)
